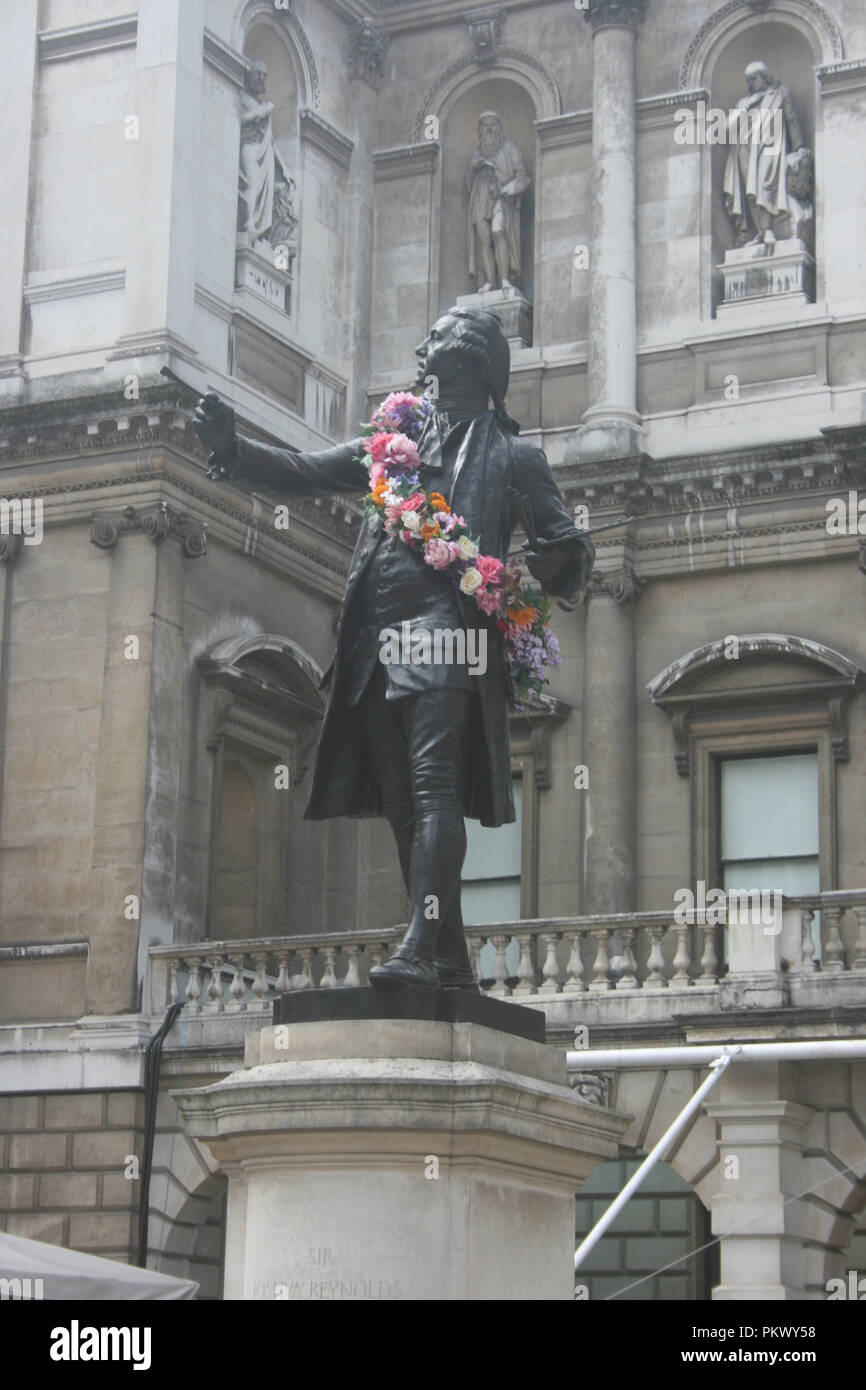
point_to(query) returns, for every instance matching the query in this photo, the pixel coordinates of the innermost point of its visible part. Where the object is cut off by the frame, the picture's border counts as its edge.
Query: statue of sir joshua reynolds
(496, 182)
(423, 745)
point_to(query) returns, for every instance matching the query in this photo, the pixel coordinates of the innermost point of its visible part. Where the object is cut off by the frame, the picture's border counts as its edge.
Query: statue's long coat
(488, 464)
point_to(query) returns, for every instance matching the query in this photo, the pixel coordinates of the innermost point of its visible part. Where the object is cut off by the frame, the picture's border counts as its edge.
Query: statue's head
(463, 342)
(490, 134)
(758, 77)
(256, 78)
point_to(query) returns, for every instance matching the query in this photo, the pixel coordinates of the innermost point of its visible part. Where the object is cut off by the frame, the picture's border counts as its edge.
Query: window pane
(497, 900)
(494, 853)
(770, 807)
(791, 876)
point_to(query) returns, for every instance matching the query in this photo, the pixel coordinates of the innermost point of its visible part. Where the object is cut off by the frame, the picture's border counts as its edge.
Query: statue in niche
(266, 189)
(496, 182)
(768, 175)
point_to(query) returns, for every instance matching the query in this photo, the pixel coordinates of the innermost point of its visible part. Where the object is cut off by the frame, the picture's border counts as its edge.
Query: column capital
(624, 588)
(615, 14)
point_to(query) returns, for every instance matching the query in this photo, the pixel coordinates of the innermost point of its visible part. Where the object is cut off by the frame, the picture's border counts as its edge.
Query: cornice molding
(72, 286)
(406, 161)
(225, 60)
(326, 138)
(58, 45)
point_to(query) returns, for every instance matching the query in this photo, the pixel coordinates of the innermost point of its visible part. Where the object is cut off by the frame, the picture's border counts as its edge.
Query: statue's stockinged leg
(421, 781)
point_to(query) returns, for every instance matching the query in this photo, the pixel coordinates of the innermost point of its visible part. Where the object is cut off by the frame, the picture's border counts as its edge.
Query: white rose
(411, 522)
(468, 550)
(470, 580)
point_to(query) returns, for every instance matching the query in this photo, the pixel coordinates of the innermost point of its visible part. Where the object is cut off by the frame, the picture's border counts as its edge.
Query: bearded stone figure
(496, 182)
(768, 175)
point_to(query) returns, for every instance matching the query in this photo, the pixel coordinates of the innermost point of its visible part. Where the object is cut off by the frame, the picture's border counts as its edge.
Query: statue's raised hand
(214, 423)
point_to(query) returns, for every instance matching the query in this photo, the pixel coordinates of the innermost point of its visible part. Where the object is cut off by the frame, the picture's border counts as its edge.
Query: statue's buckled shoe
(406, 967)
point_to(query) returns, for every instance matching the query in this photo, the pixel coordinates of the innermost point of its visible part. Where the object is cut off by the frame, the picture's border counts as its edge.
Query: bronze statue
(424, 745)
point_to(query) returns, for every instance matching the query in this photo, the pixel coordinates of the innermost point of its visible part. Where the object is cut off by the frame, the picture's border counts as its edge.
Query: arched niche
(264, 42)
(791, 55)
(458, 120)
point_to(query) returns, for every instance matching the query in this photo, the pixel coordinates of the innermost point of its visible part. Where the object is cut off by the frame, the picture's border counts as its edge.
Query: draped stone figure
(768, 175)
(258, 165)
(496, 182)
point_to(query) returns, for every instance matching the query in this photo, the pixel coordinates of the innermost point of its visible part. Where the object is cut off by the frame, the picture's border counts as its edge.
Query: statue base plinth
(399, 1158)
(783, 272)
(257, 273)
(511, 307)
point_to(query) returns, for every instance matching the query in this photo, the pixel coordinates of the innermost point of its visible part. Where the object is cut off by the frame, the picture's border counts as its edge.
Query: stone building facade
(163, 636)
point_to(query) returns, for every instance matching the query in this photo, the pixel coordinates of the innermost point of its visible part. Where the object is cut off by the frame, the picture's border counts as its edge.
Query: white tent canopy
(69, 1275)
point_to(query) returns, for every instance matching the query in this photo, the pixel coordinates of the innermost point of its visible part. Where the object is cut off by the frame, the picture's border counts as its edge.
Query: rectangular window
(491, 870)
(769, 835)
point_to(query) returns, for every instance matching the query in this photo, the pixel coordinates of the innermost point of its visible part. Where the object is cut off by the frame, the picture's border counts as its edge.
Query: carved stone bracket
(157, 523)
(485, 31)
(365, 55)
(624, 587)
(615, 14)
(592, 1086)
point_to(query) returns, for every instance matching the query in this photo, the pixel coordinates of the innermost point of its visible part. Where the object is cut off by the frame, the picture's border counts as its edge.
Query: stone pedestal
(512, 309)
(389, 1159)
(257, 273)
(765, 275)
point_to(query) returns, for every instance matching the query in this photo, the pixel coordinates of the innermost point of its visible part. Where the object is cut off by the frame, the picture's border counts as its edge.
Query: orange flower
(523, 617)
(378, 493)
(437, 502)
(429, 532)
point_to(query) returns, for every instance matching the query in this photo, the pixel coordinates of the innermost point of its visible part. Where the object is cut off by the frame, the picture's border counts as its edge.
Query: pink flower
(377, 471)
(413, 503)
(393, 513)
(447, 522)
(438, 554)
(377, 445)
(491, 569)
(489, 601)
(401, 453)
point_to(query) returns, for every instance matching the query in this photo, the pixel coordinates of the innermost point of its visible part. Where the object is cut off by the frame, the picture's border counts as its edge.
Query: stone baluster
(859, 961)
(284, 979)
(628, 977)
(193, 987)
(306, 979)
(238, 986)
(215, 987)
(834, 951)
(683, 957)
(352, 977)
(601, 965)
(709, 960)
(260, 1000)
(526, 967)
(173, 991)
(574, 983)
(550, 969)
(329, 976)
(500, 970)
(808, 964)
(475, 956)
(656, 962)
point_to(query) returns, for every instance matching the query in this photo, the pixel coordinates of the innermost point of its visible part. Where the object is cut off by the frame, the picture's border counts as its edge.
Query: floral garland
(423, 521)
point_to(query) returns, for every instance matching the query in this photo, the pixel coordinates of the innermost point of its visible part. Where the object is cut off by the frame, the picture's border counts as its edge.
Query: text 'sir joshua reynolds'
(425, 745)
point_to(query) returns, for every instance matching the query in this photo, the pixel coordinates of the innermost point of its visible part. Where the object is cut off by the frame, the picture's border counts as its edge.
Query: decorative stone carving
(485, 31)
(496, 182)
(157, 523)
(768, 174)
(625, 587)
(266, 190)
(366, 53)
(592, 1086)
(615, 14)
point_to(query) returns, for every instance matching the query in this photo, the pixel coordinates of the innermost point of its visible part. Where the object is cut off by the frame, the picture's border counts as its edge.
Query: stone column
(611, 424)
(761, 1140)
(164, 209)
(17, 81)
(400, 1158)
(609, 732)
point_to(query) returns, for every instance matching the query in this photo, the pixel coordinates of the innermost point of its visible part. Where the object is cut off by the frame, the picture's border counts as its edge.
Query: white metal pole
(634, 1058)
(718, 1066)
